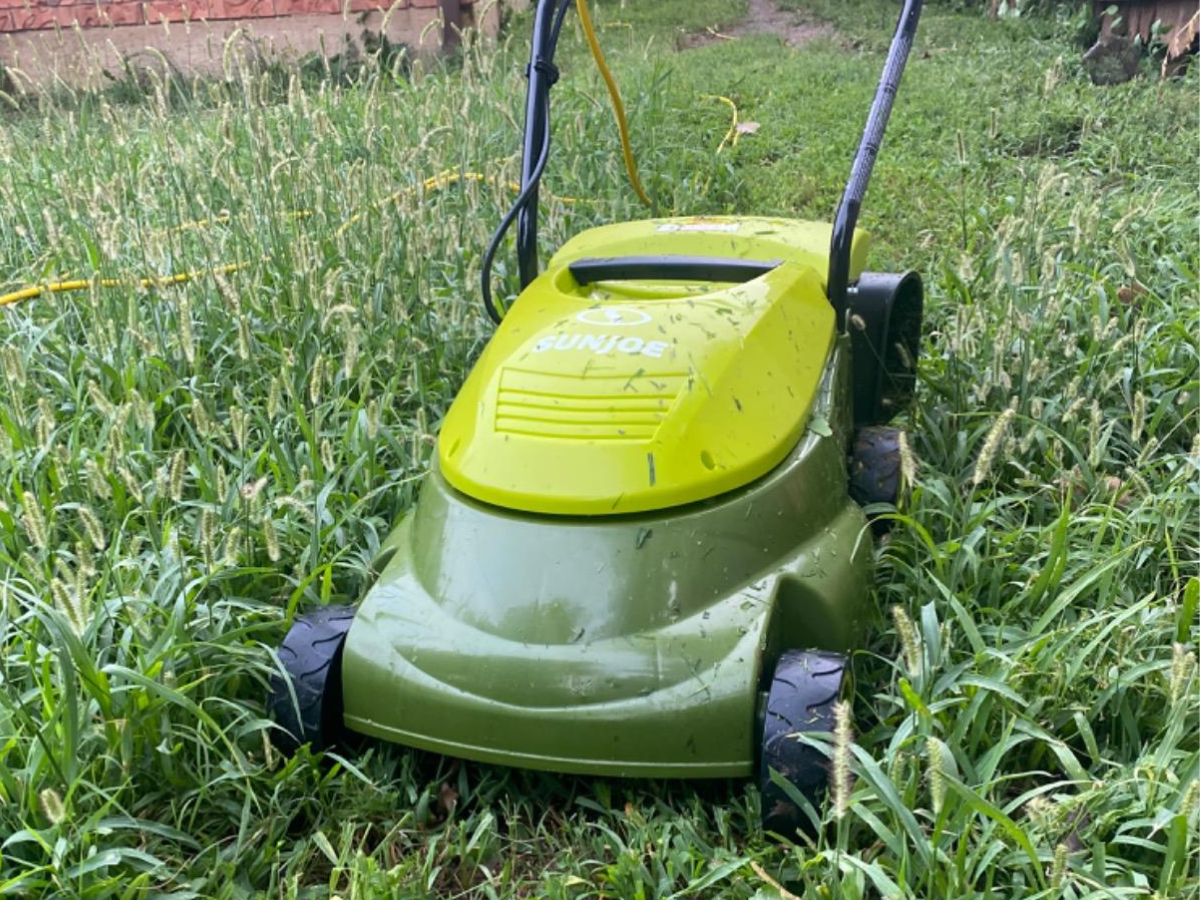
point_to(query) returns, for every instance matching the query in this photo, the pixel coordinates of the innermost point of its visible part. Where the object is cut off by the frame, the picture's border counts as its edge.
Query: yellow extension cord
(614, 94)
(437, 182)
(82, 284)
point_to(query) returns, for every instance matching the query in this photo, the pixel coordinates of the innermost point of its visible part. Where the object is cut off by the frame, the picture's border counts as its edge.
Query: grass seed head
(316, 380)
(908, 460)
(239, 426)
(14, 368)
(1183, 667)
(142, 411)
(274, 398)
(208, 535)
(243, 338)
(45, 423)
(1058, 868)
(1138, 417)
(132, 483)
(44, 434)
(84, 558)
(936, 774)
(99, 400)
(372, 419)
(200, 420)
(68, 604)
(1189, 807)
(52, 806)
(910, 646)
(299, 505)
(187, 338)
(34, 521)
(353, 339)
(270, 538)
(178, 473)
(97, 480)
(91, 526)
(843, 737)
(991, 446)
(233, 547)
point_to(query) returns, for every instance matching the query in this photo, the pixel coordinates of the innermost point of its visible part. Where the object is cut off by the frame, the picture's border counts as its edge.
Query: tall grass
(183, 469)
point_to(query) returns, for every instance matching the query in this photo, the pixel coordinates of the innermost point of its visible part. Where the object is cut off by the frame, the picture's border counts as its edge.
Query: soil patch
(765, 17)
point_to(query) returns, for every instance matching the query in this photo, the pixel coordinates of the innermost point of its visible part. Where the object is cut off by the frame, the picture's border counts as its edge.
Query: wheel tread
(311, 658)
(802, 693)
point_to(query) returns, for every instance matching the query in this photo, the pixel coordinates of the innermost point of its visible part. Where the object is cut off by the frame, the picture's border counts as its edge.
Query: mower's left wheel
(311, 655)
(805, 686)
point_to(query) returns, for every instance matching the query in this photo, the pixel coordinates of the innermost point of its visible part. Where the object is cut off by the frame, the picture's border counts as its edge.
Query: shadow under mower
(640, 549)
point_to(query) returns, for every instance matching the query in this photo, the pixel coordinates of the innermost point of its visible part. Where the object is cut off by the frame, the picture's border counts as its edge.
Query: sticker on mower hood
(607, 316)
(699, 226)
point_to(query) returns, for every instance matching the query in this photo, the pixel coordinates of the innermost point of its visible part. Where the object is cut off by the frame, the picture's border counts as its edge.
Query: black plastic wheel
(805, 686)
(311, 655)
(875, 465)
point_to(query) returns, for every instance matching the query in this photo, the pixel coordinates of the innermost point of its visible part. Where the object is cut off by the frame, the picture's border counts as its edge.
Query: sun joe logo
(603, 344)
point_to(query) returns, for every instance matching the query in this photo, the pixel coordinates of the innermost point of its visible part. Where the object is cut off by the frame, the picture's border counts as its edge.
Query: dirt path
(765, 17)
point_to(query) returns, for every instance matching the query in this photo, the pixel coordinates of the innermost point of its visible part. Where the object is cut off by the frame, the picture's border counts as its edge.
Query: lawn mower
(641, 548)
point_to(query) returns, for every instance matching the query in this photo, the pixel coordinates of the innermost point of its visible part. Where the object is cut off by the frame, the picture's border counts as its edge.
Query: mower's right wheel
(311, 655)
(875, 465)
(805, 686)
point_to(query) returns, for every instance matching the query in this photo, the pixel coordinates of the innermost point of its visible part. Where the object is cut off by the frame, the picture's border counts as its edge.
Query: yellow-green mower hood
(642, 393)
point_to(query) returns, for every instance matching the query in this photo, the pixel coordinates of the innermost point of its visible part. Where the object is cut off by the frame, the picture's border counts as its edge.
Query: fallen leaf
(1179, 43)
(1182, 37)
(820, 425)
(1130, 292)
(747, 127)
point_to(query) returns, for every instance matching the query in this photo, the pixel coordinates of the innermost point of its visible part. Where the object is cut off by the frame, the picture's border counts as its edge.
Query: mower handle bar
(669, 268)
(548, 19)
(841, 243)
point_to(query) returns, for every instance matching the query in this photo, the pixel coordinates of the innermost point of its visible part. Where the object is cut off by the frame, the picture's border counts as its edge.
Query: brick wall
(35, 15)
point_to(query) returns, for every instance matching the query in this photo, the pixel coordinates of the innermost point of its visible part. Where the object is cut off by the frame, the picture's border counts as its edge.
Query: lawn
(183, 469)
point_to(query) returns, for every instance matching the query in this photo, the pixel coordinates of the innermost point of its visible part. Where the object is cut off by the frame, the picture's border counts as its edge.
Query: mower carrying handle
(842, 240)
(669, 268)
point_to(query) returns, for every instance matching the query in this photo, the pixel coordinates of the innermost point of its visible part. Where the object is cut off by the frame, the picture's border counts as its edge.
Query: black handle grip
(670, 268)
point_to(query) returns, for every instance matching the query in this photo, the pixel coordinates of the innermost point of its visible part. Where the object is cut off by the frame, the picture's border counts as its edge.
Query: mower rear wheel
(805, 686)
(311, 655)
(875, 465)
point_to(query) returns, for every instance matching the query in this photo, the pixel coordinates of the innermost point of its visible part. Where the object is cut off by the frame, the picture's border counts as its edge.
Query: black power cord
(489, 257)
(542, 75)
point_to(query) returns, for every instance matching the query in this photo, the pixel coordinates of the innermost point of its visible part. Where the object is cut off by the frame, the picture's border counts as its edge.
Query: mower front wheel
(803, 691)
(308, 704)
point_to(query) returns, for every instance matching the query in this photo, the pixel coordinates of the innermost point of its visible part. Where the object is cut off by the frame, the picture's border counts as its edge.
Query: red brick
(306, 7)
(242, 9)
(171, 11)
(384, 5)
(85, 16)
(128, 13)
